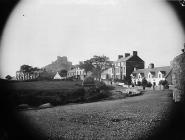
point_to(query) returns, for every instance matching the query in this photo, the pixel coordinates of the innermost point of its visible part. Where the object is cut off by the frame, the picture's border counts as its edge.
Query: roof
(164, 70)
(152, 72)
(124, 58)
(57, 76)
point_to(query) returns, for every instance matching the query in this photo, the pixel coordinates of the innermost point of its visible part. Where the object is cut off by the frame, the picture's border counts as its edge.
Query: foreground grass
(44, 85)
(128, 118)
(35, 93)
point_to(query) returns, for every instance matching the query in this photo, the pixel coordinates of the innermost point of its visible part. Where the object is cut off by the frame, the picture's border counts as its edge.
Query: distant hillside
(60, 64)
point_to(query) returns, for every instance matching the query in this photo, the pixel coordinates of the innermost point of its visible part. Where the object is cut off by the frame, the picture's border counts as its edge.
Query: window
(122, 63)
(139, 76)
(124, 70)
(160, 76)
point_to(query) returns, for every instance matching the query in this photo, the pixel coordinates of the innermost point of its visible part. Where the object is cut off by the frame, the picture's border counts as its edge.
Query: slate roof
(154, 71)
(124, 58)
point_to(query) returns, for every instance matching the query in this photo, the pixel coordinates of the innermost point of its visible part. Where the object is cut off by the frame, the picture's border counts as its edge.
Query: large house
(152, 74)
(125, 65)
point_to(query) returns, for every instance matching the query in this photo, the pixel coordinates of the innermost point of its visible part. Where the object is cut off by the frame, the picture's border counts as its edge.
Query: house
(108, 74)
(57, 76)
(152, 74)
(77, 73)
(20, 75)
(125, 65)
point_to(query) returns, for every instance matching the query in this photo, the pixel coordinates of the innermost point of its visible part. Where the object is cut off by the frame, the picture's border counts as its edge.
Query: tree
(163, 83)
(96, 65)
(8, 77)
(63, 73)
(26, 68)
(139, 83)
(35, 69)
(100, 64)
(86, 65)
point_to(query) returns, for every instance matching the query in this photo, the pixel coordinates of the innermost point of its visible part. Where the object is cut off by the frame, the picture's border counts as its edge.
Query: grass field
(44, 85)
(36, 93)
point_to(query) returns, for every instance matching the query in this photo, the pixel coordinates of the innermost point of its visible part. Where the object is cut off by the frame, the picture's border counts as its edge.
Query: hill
(60, 64)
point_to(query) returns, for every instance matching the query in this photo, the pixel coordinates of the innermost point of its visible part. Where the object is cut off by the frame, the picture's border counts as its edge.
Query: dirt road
(129, 118)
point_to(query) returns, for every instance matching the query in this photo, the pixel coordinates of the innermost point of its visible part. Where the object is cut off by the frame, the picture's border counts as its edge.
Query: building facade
(27, 76)
(108, 74)
(125, 65)
(77, 73)
(152, 74)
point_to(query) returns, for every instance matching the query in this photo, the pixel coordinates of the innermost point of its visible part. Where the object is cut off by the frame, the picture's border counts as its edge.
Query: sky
(38, 31)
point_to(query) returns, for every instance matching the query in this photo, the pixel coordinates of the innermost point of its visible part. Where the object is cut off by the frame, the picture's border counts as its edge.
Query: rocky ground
(129, 118)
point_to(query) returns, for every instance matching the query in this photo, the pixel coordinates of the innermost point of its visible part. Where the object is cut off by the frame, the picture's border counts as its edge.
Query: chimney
(134, 53)
(135, 68)
(120, 56)
(127, 54)
(183, 50)
(151, 66)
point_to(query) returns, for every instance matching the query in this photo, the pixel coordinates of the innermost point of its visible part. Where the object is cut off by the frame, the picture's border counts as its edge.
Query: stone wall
(178, 77)
(178, 71)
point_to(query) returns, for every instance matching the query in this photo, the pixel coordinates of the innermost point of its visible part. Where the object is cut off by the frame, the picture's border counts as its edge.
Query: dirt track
(128, 118)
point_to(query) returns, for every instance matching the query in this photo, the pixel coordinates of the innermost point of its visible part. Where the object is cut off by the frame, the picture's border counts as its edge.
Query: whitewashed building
(108, 74)
(57, 76)
(152, 74)
(27, 76)
(77, 73)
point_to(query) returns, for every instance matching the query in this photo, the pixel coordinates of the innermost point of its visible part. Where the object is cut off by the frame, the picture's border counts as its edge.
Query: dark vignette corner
(11, 127)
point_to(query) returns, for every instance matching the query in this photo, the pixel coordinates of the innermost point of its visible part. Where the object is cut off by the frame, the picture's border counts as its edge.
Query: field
(130, 118)
(45, 85)
(36, 93)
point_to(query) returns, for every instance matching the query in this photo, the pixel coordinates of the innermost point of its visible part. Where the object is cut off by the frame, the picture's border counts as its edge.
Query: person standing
(144, 83)
(154, 85)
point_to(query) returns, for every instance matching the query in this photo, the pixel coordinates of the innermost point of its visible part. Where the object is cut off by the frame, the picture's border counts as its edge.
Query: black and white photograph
(92, 69)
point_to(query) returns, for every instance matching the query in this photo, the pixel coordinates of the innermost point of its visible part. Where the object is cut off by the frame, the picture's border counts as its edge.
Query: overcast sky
(40, 30)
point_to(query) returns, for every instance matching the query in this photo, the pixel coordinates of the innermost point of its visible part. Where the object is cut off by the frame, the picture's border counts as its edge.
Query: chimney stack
(127, 54)
(183, 50)
(134, 53)
(151, 66)
(120, 56)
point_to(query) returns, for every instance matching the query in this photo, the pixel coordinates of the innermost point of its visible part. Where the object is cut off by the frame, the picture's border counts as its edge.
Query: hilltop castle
(60, 64)
(47, 71)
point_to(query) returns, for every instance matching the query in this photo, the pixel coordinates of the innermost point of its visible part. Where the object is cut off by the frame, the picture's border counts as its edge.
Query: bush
(119, 80)
(88, 81)
(164, 83)
(144, 82)
(77, 95)
(138, 83)
(97, 96)
(100, 85)
(149, 84)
